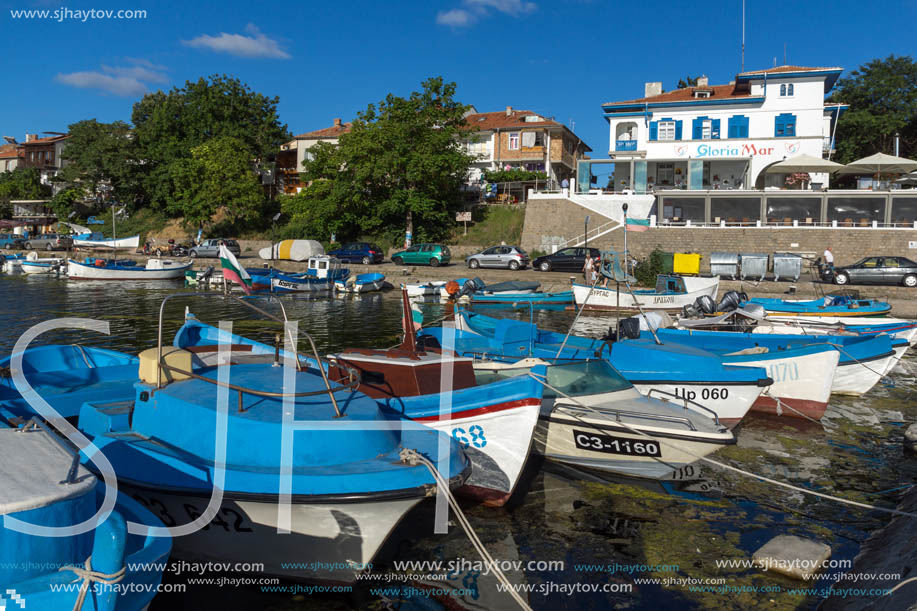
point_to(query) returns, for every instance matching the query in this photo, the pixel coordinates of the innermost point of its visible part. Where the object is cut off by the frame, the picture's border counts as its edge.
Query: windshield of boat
(574, 379)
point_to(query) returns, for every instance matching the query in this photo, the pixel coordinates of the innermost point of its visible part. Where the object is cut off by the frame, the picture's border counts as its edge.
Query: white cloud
(124, 81)
(473, 10)
(255, 45)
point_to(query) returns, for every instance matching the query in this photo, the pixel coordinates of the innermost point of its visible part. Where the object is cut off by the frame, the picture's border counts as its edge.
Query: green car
(423, 254)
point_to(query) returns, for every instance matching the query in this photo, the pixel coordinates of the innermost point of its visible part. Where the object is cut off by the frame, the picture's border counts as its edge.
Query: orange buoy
(452, 287)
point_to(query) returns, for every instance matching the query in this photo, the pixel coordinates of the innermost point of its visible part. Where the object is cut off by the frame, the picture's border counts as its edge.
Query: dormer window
(701, 94)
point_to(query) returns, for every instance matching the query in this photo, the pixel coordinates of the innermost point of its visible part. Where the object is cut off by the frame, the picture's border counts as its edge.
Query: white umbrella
(804, 163)
(880, 163)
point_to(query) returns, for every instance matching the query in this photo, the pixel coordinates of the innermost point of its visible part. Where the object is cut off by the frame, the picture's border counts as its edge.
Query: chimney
(509, 111)
(337, 122)
(702, 81)
(31, 137)
(651, 89)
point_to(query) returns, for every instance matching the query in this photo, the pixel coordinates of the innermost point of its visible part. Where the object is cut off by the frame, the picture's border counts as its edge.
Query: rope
(542, 380)
(903, 583)
(576, 318)
(840, 349)
(781, 405)
(88, 575)
(412, 457)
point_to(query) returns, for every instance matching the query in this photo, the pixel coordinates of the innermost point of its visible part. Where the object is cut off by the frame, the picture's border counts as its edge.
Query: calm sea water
(583, 520)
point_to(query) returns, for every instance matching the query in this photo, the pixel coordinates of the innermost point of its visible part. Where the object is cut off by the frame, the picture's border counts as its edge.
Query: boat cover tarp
(292, 250)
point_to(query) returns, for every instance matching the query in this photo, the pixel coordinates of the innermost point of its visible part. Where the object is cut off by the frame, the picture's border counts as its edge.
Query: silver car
(507, 257)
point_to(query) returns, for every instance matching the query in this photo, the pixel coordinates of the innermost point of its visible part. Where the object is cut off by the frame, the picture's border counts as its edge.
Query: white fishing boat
(671, 293)
(93, 268)
(592, 417)
(361, 283)
(32, 264)
(109, 243)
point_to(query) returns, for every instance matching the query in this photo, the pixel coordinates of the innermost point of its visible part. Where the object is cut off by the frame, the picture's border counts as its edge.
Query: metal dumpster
(724, 264)
(754, 265)
(787, 265)
(667, 262)
(687, 264)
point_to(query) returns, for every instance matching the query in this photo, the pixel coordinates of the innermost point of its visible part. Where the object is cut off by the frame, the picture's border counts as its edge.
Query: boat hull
(41, 267)
(858, 377)
(730, 403)
(80, 271)
(343, 536)
(497, 440)
(131, 242)
(612, 299)
(367, 287)
(293, 285)
(802, 383)
(574, 440)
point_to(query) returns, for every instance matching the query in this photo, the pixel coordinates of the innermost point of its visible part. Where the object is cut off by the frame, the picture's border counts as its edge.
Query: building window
(539, 138)
(786, 90)
(666, 130)
(785, 126)
(705, 128)
(738, 126)
(665, 173)
(514, 141)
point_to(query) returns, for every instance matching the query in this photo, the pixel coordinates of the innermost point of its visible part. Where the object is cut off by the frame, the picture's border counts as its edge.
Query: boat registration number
(286, 285)
(615, 445)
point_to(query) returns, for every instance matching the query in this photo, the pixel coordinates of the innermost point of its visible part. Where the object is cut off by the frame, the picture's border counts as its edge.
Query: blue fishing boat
(361, 283)
(494, 422)
(837, 305)
(562, 298)
(667, 369)
(862, 360)
(66, 375)
(43, 484)
(348, 473)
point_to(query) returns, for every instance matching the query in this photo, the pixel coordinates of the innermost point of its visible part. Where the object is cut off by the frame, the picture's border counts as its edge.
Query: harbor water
(575, 540)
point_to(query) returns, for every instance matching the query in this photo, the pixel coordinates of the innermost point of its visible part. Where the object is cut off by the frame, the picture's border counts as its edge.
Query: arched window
(783, 90)
(789, 89)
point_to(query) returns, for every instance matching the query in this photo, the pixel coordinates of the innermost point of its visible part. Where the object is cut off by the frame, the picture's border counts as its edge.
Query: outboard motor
(205, 275)
(754, 309)
(629, 328)
(471, 287)
(690, 311)
(729, 302)
(705, 304)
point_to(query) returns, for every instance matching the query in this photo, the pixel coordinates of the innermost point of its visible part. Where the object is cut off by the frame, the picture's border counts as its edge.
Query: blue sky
(561, 58)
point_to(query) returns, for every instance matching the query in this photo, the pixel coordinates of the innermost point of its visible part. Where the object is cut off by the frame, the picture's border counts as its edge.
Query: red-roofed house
(522, 139)
(9, 157)
(722, 136)
(294, 152)
(43, 154)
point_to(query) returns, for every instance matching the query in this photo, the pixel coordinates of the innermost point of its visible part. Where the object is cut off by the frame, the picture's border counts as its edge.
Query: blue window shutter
(678, 130)
(696, 126)
(732, 127)
(778, 126)
(790, 128)
(715, 129)
(654, 130)
(743, 126)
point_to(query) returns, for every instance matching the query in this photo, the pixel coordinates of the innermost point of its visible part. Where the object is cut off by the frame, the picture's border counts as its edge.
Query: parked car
(423, 254)
(358, 252)
(509, 257)
(565, 260)
(49, 241)
(878, 270)
(211, 248)
(11, 240)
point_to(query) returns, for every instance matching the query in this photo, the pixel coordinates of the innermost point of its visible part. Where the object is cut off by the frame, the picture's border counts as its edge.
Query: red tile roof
(45, 140)
(779, 69)
(500, 120)
(8, 151)
(687, 95)
(335, 131)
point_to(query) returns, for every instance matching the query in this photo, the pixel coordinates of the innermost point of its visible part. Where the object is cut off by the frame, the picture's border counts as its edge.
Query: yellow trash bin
(687, 264)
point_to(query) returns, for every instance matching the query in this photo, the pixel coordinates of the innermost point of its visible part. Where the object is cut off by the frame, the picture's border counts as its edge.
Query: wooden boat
(108, 243)
(93, 268)
(671, 293)
(43, 484)
(836, 306)
(361, 283)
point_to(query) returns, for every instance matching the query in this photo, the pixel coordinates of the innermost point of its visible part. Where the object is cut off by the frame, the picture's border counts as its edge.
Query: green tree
(101, 161)
(64, 201)
(882, 95)
(401, 165)
(688, 81)
(167, 126)
(21, 183)
(218, 175)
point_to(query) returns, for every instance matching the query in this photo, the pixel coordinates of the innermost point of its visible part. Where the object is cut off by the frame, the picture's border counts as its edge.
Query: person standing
(829, 257)
(589, 269)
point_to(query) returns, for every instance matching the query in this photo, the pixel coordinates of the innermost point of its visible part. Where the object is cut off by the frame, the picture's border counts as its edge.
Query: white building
(721, 136)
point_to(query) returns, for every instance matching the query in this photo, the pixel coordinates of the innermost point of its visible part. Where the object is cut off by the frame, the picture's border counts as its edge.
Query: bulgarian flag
(233, 271)
(416, 316)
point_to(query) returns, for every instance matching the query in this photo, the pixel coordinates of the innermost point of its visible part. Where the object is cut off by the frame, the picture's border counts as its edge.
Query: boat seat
(754, 350)
(216, 348)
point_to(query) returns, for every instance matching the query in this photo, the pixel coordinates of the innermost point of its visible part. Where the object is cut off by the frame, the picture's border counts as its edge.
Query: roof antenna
(784, 54)
(743, 35)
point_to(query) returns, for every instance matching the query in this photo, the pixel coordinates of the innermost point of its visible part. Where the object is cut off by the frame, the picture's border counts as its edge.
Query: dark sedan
(358, 252)
(565, 260)
(878, 270)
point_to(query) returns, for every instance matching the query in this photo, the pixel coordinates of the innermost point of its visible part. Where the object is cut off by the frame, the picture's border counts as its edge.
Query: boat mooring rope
(781, 405)
(543, 381)
(414, 457)
(87, 575)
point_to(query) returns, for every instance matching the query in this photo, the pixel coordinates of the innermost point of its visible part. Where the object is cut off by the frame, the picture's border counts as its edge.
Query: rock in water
(792, 556)
(910, 439)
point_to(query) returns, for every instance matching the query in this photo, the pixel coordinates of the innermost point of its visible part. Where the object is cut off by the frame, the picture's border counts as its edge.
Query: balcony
(625, 145)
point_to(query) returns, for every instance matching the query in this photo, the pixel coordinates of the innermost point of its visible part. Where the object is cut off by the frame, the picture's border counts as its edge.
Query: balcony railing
(625, 145)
